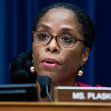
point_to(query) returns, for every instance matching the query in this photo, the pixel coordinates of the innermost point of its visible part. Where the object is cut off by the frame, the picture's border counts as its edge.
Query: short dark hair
(82, 17)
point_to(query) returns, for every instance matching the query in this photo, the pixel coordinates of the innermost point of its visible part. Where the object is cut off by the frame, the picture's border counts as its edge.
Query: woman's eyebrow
(66, 29)
(43, 26)
(48, 27)
(62, 29)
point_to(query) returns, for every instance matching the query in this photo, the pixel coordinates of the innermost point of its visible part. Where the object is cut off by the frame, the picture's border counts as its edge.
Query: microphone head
(44, 81)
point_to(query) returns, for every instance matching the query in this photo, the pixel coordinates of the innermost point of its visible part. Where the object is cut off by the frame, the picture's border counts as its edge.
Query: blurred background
(17, 18)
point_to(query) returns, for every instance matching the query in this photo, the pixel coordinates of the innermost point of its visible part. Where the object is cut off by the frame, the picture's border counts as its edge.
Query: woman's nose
(53, 46)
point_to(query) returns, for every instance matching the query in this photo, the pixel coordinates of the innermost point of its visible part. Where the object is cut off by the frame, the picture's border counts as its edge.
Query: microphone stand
(45, 82)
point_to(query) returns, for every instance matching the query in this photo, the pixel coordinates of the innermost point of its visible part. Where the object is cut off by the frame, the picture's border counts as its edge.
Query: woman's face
(59, 63)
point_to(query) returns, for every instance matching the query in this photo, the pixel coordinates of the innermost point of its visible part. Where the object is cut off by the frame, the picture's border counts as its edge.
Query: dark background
(17, 17)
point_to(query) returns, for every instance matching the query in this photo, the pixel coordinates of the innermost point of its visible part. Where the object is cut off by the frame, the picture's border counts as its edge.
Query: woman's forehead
(60, 19)
(59, 16)
(60, 12)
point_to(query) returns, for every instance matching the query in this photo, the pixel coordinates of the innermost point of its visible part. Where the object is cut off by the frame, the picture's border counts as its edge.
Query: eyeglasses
(63, 40)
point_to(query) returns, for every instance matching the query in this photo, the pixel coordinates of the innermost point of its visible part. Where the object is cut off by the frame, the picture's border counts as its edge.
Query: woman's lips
(50, 63)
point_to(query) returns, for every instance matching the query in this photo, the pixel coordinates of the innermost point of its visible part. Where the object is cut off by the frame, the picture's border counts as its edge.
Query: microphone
(45, 82)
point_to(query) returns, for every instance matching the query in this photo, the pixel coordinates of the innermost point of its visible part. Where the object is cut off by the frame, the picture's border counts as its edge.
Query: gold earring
(32, 69)
(80, 72)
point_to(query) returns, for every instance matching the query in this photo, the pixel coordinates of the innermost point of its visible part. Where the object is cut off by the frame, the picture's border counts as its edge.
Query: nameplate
(82, 94)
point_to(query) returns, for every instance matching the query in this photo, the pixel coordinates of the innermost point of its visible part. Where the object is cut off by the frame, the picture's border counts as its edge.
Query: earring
(32, 69)
(80, 72)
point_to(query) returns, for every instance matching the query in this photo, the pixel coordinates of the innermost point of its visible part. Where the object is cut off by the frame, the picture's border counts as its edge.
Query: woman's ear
(85, 55)
(32, 32)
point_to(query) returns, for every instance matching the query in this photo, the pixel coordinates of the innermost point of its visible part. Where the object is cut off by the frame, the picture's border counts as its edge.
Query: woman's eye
(67, 38)
(42, 36)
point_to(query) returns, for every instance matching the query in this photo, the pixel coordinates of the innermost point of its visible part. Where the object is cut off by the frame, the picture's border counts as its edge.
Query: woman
(62, 38)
